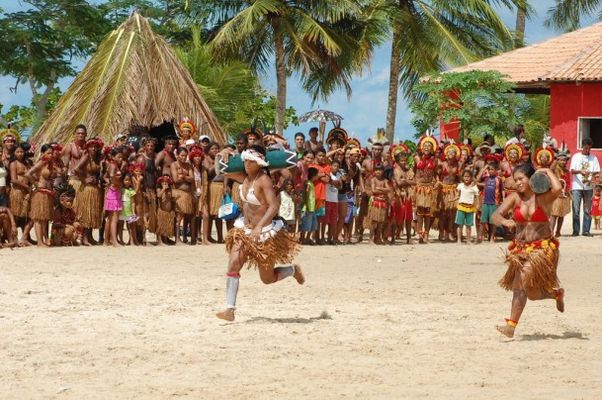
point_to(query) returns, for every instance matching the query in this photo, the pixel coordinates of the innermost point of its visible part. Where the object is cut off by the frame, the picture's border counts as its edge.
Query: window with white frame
(590, 127)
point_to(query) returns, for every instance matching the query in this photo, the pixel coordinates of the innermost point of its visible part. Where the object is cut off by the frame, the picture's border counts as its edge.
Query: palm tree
(229, 87)
(301, 35)
(428, 35)
(566, 14)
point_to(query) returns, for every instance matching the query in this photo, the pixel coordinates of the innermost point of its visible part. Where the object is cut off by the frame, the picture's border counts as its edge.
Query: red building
(569, 69)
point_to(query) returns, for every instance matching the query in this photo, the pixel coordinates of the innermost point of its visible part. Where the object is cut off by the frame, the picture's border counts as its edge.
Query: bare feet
(227, 314)
(298, 274)
(560, 300)
(24, 243)
(505, 330)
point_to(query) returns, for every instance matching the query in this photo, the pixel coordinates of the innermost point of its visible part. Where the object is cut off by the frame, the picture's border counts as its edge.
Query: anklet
(511, 322)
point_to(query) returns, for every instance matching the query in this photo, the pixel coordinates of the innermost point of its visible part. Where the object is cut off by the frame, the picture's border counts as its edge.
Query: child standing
(166, 214)
(128, 213)
(491, 184)
(113, 203)
(332, 201)
(596, 210)
(467, 205)
(287, 205)
(309, 220)
(379, 205)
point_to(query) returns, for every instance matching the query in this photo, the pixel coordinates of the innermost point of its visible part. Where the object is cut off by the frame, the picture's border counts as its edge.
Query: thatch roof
(574, 56)
(134, 78)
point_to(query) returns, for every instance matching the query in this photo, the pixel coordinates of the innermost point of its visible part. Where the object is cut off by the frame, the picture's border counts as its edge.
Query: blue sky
(363, 113)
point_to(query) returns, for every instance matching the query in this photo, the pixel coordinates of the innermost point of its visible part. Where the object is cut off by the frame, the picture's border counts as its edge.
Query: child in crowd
(128, 214)
(309, 221)
(467, 205)
(596, 210)
(287, 205)
(331, 219)
(65, 229)
(166, 214)
(492, 187)
(8, 228)
(113, 204)
(379, 205)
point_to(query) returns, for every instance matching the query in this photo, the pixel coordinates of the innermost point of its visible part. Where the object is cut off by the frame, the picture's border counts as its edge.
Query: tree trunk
(280, 79)
(393, 85)
(519, 41)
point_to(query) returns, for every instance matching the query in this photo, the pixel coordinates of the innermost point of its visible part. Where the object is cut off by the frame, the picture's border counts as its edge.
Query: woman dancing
(256, 238)
(532, 256)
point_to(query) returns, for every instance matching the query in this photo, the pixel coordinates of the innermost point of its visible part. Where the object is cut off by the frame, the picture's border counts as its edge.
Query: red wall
(569, 101)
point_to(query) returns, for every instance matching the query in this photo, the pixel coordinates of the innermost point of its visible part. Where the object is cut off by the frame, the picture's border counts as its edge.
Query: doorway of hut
(161, 132)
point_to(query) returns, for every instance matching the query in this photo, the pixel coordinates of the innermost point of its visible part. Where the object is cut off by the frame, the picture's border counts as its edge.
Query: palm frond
(135, 78)
(566, 14)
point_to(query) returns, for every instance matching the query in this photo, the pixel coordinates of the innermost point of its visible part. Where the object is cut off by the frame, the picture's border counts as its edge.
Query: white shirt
(3, 174)
(287, 207)
(578, 162)
(332, 193)
(467, 193)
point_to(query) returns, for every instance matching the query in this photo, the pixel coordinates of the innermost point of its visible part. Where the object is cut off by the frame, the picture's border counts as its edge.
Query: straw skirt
(166, 223)
(216, 195)
(42, 205)
(89, 208)
(184, 202)
(19, 202)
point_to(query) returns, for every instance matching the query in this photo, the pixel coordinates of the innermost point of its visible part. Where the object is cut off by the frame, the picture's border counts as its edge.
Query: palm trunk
(393, 85)
(519, 41)
(280, 80)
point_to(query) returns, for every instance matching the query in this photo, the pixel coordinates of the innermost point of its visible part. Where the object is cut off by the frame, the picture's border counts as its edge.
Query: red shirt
(320, 186)
(596, 212)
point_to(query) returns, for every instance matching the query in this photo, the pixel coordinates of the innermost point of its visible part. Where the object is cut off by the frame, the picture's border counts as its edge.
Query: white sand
(370, 323)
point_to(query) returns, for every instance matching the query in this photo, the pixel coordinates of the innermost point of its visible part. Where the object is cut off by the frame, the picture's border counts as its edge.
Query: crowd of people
(338, 190)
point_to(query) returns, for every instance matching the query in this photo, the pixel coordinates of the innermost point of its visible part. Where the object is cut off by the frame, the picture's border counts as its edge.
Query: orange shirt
(320, 186)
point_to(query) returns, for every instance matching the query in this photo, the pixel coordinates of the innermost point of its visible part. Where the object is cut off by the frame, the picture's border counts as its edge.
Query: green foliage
(536, 118)
(231, 89)
(483, 102)
(25, 118)
(172, 19)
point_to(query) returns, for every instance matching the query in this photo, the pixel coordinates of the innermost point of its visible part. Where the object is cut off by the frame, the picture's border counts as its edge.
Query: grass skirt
(561, 207)
(448, 197)
(378, 210)
(536, 262)
(216, 195)
(19, 202)
(276, 245)
(425, 199)
(42, 205)
(166, 223)
(150, 210)
(89, 209)
(236, 195)
(184, 203)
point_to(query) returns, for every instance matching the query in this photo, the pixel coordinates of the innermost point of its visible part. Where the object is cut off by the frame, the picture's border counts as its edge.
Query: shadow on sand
(296, 320)
(546, 336)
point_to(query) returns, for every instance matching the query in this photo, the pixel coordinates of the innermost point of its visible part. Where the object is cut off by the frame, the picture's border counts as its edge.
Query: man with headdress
(9, 137)
(368, 166)
(513, 155)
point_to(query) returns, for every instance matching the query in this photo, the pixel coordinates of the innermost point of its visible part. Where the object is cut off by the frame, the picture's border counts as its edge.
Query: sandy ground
(391, 322)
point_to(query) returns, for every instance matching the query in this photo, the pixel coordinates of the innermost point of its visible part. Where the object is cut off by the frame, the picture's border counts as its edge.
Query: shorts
(332, 214)
(309, 222)
(3, 200)
(464, 218)
(487, 211)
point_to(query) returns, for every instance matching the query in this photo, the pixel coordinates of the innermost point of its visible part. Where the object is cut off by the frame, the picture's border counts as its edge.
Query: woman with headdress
(425, 194)
(88, 197)
(449, 176)
(20, 194)
(513, 154)
(403, 179)
(562, 205)
(257, 239)
(41, 209)
(183, 178)
(532, 256)
(187, 130)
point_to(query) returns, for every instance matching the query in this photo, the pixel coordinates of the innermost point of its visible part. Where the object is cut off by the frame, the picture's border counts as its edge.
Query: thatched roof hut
(134, 78)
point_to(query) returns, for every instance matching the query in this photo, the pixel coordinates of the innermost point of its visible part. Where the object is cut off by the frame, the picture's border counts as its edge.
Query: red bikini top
(426, 163)
(538, 216)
